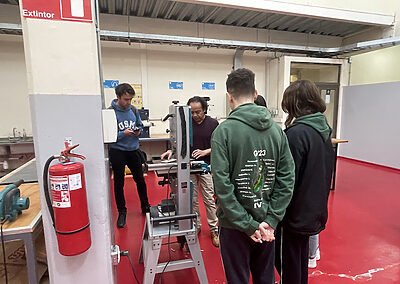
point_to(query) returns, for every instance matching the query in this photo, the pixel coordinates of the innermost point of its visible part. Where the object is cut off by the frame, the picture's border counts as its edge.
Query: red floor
(361, 243)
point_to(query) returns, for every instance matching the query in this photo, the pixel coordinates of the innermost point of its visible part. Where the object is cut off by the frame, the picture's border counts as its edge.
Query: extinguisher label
(75, 181)
(60, 191)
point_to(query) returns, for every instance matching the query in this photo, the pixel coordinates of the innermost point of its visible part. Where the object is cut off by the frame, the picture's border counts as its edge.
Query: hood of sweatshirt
(114, 105)
(258, 117)
(316, 121)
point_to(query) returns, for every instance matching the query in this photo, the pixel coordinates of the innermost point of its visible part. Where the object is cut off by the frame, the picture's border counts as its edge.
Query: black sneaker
(121, 219)
(146, 209)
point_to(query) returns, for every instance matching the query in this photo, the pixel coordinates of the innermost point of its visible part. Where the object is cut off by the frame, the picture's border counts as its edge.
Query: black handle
(19, 182)
(184, 133)
(175, 218)
(168, 116)
(46, 187)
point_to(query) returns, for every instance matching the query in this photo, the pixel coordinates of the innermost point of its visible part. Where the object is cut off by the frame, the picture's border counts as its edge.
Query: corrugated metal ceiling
(163, 9)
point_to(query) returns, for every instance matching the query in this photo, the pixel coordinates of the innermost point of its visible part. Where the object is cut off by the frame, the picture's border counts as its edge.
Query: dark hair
(260, 101)
(302, 97)
(240, 83)
(124, 88)
(197, 99)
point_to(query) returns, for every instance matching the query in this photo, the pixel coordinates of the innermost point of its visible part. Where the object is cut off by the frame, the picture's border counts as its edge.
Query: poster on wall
(174, 85)
(208, 85)
(110, 84)
(137, 100)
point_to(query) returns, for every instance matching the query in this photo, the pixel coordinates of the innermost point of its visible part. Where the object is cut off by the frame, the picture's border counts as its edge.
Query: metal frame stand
(151, 246)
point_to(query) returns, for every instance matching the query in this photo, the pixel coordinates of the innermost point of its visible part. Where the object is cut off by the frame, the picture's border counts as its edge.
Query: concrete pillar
(61, 53)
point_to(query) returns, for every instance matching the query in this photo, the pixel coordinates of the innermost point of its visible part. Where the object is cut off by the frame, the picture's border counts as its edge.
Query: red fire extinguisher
(68, 204)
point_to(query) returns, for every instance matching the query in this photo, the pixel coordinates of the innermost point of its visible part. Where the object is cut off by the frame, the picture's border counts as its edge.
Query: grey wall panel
(370, 120)
(55, 117)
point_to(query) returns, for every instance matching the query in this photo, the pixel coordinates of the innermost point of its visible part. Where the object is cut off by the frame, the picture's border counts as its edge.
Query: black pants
(241, 255)
(291, 256)
(119, 159)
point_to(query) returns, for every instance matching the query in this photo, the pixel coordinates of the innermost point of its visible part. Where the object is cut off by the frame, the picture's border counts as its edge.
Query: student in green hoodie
(309, 137)
(253, 174)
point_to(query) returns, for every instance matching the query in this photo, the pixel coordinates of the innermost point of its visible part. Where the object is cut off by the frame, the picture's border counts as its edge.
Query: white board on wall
(370, 120)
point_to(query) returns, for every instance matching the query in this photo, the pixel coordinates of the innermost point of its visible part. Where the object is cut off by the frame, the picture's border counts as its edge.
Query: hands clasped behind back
(264, 233)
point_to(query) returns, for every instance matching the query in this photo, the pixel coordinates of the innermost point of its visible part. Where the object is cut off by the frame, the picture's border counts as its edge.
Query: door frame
(331, 86)
(344, 77)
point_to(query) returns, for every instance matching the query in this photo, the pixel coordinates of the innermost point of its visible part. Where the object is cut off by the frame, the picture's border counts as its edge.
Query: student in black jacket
(309, 137)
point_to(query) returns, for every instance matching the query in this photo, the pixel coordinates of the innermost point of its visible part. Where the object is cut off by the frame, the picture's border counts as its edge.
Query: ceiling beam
(156, 9)
(302, 10)
(198, 42)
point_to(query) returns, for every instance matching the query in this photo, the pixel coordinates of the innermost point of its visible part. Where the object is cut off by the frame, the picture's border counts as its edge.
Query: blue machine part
(205, 168)
(11, 202)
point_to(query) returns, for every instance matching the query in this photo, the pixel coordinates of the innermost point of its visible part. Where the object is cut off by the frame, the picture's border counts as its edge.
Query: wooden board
(160, 135)
(30, 217)
(338, 141)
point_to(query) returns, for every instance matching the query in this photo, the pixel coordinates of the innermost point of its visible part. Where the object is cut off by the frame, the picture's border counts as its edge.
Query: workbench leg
(30, 258)
(194, 247)
(151, 254)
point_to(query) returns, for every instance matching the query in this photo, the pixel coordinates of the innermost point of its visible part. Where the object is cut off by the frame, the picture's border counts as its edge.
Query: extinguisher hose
(46, 186)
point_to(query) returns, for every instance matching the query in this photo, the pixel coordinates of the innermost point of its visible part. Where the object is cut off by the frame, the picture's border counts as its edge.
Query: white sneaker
(318, 254)
(312, 262)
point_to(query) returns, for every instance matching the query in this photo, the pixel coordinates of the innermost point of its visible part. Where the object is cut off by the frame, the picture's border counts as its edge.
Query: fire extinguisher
(68, 203)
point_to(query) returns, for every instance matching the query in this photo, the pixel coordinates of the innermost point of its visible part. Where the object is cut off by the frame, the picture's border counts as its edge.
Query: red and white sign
(58, 10)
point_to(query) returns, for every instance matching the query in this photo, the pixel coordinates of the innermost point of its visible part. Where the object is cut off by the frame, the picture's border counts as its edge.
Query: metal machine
(11, 202)
(174, 217)
(144, 116)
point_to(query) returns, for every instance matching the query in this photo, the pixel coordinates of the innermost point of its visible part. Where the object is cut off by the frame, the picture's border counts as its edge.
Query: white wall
(370, 107)
(371, 124)
(154, 68)
(14, 107)
(376, 67)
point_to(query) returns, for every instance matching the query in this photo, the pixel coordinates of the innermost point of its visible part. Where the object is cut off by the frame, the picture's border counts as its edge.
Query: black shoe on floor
(121, 219)
(146, 209)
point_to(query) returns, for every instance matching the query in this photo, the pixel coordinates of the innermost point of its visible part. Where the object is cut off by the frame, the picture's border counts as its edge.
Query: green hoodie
(316, 121)
(253, 169)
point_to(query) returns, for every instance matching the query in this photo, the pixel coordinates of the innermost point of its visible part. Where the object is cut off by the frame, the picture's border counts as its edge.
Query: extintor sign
(58, 10)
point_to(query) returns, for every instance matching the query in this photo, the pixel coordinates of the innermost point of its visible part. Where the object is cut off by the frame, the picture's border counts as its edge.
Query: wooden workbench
(27, 227)
(28, 218)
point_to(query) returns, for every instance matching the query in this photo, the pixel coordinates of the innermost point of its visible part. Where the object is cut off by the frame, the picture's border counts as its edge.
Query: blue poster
(208, 85)
(175, 85)
(110, 84)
